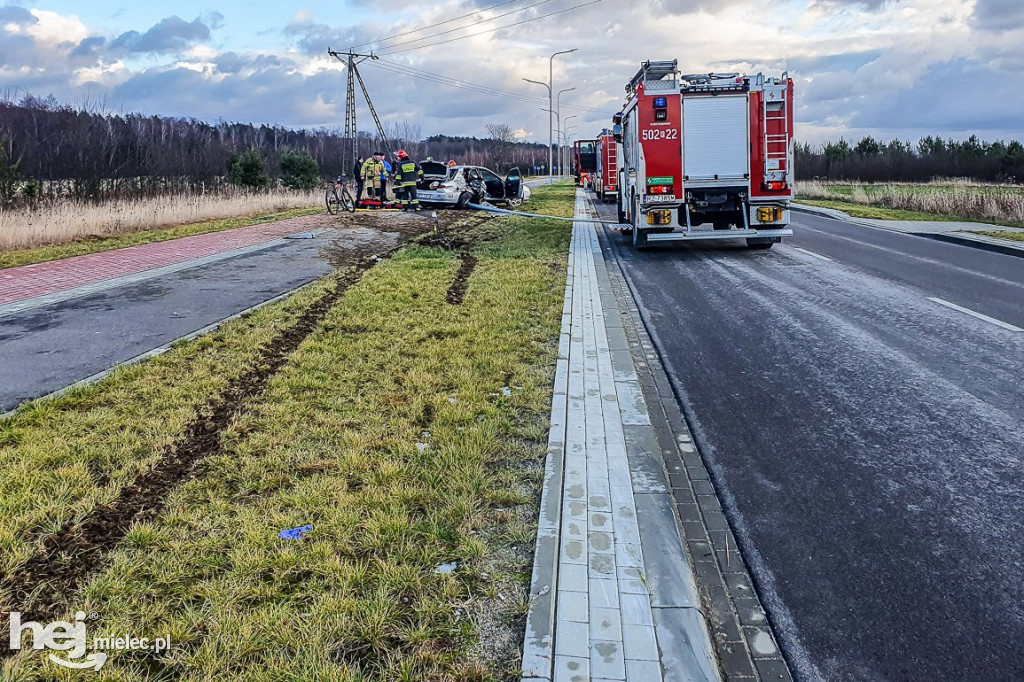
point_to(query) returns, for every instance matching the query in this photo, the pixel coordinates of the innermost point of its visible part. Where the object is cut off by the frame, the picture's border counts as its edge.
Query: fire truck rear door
(715, 146)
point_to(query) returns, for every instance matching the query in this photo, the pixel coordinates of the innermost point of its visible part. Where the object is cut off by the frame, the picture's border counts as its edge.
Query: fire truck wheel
(639, 240)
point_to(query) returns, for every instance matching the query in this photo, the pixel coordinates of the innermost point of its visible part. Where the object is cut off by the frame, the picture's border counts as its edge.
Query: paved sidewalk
(43, 279)
(613, 593)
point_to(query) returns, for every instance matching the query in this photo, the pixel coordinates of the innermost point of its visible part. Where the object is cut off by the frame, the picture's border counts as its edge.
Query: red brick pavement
(28, 281)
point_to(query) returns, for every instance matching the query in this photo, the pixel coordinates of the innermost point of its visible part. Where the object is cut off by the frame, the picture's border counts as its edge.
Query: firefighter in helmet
(407, 174)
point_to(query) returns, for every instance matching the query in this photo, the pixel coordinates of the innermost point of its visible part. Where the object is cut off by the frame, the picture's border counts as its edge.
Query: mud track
(41, 589)
(457, 291)
(459, 244)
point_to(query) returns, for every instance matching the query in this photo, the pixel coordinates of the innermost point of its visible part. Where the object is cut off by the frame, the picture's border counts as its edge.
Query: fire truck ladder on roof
(653, 71)
(774, 108)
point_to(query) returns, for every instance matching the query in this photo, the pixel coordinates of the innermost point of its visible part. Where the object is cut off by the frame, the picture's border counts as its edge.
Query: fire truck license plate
(655, 198)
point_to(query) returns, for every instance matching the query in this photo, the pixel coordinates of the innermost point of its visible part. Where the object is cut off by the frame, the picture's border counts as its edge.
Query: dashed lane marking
(968, 311)
(812, 254)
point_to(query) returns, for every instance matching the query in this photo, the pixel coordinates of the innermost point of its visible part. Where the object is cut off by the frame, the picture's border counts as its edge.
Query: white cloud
(850, 61)
(52, 28)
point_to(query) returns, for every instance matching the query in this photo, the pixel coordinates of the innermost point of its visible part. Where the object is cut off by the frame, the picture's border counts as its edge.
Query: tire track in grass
(41, 587)
(457, 290)
(43, 584)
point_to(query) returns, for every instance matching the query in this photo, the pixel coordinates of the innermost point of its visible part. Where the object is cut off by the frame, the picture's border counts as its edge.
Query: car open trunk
(434, 173)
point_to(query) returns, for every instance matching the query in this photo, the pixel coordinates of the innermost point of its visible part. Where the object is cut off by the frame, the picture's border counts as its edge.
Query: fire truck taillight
(659, 189)
(775, 186)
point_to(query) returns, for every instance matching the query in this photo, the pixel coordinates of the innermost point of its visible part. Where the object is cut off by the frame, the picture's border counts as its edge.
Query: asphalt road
(867, 442)
(48, 348)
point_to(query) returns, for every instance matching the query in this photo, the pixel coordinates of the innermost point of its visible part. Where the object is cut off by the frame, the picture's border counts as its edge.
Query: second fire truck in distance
(705, 156)
(606, 176)
(584, 161)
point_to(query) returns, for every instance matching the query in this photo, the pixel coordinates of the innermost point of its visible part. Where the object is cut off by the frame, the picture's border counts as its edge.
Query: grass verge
(1013, 236)
(10, 259)
(406, 429)
(876, 212)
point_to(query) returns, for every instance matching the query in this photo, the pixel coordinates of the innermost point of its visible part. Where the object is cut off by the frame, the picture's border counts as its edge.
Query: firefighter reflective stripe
(372, 169)
(408, 173)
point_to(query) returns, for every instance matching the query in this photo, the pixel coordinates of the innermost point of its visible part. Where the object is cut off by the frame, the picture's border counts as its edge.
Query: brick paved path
(30, 281)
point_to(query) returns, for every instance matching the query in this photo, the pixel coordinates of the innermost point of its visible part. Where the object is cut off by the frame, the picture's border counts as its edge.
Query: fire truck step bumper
(717, 234)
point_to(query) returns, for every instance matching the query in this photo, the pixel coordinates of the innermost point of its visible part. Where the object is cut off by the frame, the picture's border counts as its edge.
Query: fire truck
(705, 156)
(606, 175)
(584, 161)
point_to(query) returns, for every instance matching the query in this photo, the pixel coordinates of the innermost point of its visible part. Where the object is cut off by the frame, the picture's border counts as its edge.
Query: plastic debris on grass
(295, 533)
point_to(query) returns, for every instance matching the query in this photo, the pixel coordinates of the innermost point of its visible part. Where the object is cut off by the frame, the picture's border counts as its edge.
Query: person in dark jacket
(357, 173)
(407, 174)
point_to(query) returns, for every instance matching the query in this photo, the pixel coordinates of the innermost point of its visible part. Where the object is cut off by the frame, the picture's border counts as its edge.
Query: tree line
(49, 149)
(871, 160)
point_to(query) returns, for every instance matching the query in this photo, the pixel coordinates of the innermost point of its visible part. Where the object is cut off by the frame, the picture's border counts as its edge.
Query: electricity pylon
(352, 60)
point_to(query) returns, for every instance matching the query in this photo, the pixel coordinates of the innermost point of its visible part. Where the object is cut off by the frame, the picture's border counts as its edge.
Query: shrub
(299, 170)
(247, 170)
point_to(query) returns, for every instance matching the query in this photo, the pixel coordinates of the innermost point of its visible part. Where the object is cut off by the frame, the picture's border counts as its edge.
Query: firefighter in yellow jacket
(371, 173)
(407, 173)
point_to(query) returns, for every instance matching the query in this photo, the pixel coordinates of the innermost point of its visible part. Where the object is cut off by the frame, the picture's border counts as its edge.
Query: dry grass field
(948, 199)
(70, 220)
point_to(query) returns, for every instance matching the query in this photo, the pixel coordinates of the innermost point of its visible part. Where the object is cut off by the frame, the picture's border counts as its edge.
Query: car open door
(514, 187)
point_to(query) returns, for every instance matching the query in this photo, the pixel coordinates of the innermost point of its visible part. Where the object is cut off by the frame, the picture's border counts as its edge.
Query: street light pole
(551, 106)
(558, 139)
(565, 134)
(549, 123)
(558, 117)
(551, 80)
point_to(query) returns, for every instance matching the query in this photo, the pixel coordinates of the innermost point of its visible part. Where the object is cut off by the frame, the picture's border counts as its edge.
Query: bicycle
(338, 197)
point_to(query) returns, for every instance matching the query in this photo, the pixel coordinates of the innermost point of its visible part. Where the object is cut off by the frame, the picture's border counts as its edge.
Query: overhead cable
(490, 30)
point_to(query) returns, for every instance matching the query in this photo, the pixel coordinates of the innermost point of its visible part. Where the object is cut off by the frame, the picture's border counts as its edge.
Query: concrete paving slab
(610, 462)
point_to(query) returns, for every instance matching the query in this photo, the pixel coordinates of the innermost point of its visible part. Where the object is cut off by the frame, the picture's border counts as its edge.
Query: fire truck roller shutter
(713, 150)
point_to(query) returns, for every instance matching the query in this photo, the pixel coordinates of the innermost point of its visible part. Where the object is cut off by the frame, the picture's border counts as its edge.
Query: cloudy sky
(890, 68)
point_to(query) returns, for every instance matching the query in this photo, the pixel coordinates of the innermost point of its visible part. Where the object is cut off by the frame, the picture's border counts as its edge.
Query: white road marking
(968, 311)
(812, 254)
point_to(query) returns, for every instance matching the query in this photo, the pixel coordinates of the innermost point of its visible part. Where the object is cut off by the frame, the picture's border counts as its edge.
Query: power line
(440, 23)
(431, 75)
(403, 69)
(464, 86)
(462, 28)
(492, 30)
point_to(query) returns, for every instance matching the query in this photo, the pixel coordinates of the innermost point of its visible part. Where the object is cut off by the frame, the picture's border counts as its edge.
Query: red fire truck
(584, 161)
(606, 176)
(705, 156)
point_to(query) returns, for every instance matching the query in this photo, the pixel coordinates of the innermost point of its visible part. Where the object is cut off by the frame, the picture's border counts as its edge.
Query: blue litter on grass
(295, 533)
